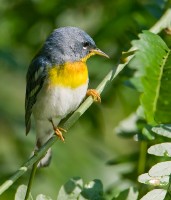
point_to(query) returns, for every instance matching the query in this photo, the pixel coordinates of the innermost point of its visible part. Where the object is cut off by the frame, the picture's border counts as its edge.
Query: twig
(33, 172)
(164, 22)
(26, 166)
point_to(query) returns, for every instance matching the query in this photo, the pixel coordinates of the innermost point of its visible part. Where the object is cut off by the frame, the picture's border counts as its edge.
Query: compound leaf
(156, 194)
(71, 189)
(21, 193)
(163, 129)
(153, 60)
(163, 149)
(154, 181)
(161, 169)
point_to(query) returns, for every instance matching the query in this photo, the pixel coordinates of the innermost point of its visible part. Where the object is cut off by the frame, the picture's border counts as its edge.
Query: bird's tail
(43, 133)
(45, 161)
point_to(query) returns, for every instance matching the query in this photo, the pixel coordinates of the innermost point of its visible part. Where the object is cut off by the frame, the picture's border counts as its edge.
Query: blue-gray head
(69, 44)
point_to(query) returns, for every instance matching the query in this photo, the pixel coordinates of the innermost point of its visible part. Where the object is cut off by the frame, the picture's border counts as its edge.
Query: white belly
(55, 103)
(58, 102)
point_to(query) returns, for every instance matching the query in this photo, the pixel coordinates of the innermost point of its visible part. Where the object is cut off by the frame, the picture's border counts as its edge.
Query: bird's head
(70, 44)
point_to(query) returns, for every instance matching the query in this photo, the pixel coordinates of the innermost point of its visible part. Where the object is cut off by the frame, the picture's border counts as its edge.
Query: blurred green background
(91, 142)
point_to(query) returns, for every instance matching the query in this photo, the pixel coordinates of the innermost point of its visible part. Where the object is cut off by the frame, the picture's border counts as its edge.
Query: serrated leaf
(71, 189)
(21, 193)
(155, 181)
(156, 194)
(161, 169)
(128, 194)
(92, 191)
(163, 149)
(43, 197)
(153, 62)
(164, 130)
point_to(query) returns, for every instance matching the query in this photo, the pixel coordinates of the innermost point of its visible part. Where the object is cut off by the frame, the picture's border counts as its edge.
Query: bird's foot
(58, 131)
(94, 94)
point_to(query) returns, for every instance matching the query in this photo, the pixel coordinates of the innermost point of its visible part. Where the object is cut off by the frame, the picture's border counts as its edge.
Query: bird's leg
(94, 94)
(58, 131)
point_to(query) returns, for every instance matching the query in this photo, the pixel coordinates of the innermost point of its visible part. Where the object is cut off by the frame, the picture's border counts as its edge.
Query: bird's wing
(35, 78)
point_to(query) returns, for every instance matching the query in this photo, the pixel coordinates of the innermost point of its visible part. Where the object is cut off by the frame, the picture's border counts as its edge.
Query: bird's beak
(99, 52)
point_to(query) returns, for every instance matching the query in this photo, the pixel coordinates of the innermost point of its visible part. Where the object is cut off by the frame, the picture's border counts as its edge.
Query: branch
(161, 24)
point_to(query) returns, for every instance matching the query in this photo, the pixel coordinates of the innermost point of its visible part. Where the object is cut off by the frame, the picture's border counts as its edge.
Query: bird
(57, 82)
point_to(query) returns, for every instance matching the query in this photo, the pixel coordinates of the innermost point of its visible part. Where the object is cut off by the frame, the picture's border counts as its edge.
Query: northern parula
(57, 81)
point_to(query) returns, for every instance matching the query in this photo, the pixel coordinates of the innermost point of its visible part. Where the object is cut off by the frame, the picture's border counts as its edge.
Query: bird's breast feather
(70, 75)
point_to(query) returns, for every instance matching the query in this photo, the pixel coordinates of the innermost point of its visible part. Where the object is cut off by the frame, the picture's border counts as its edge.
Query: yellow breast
(70, 75)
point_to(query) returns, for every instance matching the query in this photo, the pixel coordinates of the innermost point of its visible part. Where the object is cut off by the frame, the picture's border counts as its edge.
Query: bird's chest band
(70, 75)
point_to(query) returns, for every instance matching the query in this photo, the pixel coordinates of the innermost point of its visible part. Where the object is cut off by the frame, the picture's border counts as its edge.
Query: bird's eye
(86, 45)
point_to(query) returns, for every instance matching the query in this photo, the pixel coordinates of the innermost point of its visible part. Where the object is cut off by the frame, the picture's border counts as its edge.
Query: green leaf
(92, 191)
(21, 193)
(127, 127)
(156, 194)
(155, 181)
(163, 149)
(128, 194)
(164, 130)
(147, 132)
(126, 55)
(43, 197)
(153, 61)
(71, 189)
(135, 82)
(161, 169)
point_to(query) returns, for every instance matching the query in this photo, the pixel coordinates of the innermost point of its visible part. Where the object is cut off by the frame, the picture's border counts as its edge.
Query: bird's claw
(94, 94)
(58, 132)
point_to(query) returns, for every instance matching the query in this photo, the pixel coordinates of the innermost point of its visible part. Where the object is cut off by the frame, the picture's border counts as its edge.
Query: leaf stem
(40, 153)
(142, 157)
(32, 175)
